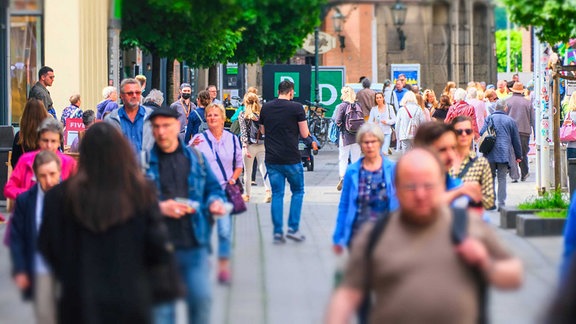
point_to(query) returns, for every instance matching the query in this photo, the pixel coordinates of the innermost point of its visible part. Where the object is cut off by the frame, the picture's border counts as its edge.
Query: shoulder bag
(568, 130)
(233, 191)
(488, 139)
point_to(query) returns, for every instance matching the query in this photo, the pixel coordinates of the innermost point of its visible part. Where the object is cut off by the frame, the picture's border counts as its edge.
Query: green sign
(291, 76)
(331, 81)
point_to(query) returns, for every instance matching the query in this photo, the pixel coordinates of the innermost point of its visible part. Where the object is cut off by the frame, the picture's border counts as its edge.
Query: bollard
(571, 175)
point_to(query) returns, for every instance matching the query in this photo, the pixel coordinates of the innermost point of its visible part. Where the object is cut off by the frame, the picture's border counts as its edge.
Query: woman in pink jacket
(49, 138)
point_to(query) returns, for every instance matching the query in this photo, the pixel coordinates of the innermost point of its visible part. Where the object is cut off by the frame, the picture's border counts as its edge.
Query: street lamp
(399, 18)
(338, 19)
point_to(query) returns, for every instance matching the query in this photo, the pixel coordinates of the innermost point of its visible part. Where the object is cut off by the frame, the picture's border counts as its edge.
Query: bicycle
(317, 123)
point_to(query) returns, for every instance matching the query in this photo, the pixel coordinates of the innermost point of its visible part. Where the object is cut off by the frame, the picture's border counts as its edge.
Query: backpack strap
(408, 112)
(459, 232)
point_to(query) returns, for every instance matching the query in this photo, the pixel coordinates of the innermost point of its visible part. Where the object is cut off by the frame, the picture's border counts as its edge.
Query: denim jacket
(203, 187)
(348, 200)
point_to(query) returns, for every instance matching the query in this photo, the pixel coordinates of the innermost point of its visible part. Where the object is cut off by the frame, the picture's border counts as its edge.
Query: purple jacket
(105, 106)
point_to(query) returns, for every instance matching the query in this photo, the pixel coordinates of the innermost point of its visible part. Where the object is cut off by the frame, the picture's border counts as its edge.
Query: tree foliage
(553, 19)
(200, 31)
(206, 32)
(272, 30)
(515, 50)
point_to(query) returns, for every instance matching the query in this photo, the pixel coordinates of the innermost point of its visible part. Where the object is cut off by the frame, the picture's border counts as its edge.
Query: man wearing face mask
(183, 106)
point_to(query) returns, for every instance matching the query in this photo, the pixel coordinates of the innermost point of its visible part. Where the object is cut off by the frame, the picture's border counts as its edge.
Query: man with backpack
(424, 263)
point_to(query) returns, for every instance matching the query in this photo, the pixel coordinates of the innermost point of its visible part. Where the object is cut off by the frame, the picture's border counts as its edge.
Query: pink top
(22, 177)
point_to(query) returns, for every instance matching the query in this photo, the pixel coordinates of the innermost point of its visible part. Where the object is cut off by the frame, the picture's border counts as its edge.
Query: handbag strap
(408, 112)
(218, 157)
(466, 167)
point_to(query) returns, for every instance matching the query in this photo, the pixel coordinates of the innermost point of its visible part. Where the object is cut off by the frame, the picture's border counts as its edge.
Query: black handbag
(488, 139)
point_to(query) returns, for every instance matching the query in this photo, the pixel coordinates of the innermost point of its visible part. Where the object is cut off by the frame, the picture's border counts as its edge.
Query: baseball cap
(163, 111)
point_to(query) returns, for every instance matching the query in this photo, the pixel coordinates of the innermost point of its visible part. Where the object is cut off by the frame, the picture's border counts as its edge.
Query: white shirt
(40, 265)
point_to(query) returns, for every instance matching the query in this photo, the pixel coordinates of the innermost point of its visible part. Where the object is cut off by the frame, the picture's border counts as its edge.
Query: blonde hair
(218, 107)
(74, 99)
(572, 103)
(408, 97)
(449, 86)
(253, 90)
(252, 105)
(348, 94)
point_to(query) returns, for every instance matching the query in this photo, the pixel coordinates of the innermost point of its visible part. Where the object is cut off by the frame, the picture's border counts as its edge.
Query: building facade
(451, 40)
(70, 36)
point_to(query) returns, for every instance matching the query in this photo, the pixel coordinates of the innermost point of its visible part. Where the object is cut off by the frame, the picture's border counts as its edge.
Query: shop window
(25, 58)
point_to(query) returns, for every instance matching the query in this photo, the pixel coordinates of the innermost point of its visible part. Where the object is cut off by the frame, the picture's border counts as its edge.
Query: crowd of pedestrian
(136, 211)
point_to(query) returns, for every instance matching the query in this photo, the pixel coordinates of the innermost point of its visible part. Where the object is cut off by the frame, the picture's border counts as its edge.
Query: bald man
(415, 272)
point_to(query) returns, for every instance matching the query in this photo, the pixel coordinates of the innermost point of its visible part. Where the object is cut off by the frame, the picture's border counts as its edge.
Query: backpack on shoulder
(458, 233)
(203, 124)
(353, 118)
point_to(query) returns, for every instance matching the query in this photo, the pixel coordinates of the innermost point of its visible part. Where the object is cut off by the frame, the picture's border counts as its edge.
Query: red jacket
(462, 108)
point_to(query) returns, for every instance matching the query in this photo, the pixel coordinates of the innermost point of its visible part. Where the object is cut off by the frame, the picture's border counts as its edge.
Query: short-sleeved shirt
(280, 118)
(133, 130)
(416, 274)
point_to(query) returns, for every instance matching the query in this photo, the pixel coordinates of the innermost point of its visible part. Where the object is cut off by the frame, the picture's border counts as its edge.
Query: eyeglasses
(369, 142)
(427, 186)
(131, 93)
(461, 132)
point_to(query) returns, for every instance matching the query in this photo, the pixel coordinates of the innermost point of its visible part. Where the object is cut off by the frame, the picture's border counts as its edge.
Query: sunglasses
(461, 132)
(131, 93)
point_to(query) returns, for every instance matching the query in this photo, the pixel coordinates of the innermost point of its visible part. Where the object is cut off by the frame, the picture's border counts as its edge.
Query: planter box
(508, 216)
(531, 225)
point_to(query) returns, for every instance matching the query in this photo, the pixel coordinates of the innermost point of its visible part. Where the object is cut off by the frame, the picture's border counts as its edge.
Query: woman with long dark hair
(101, 234)
(26, 139)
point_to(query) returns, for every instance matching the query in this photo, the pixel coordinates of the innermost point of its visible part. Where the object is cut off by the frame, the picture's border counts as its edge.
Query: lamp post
(399, 18)
(338, 20)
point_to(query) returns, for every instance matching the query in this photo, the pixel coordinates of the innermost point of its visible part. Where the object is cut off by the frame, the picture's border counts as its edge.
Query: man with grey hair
(154, 99)
(184, 106)
(366, 98)
(462, 108)
(109, 104)
(499, 157)
(479, 106)
(132, 118)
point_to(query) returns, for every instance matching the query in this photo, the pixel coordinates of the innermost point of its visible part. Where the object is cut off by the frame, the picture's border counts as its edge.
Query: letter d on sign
(282, 78)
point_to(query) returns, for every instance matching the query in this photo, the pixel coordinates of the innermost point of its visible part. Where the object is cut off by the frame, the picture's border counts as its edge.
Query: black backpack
(458, 233)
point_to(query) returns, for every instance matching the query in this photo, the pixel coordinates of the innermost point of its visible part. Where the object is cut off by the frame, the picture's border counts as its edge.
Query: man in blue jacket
(189, 195)
(30, 273)
(506, 136)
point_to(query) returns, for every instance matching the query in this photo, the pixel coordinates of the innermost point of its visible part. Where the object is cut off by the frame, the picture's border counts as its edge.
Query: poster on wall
(411, 71)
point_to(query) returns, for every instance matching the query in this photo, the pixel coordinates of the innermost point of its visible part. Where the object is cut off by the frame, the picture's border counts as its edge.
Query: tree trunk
(213, 76)
(155, 71)
(169, 95)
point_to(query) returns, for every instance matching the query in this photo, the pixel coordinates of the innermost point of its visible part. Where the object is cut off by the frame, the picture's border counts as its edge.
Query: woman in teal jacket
(368, 191)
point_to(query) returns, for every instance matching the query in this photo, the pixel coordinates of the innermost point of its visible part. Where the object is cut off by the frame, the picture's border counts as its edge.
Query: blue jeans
(195, 271)
(570, 153)
(224, 226)
(278, 174)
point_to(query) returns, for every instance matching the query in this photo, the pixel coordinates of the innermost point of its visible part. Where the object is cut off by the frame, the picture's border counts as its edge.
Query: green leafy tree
(200, 32)
(515, 50)
(553, 19)
(272, 30)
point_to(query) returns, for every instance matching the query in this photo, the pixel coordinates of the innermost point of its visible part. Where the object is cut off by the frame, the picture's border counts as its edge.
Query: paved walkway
(292, 283)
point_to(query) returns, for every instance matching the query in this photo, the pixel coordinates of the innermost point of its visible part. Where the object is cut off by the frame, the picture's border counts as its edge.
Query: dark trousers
(525, 143)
